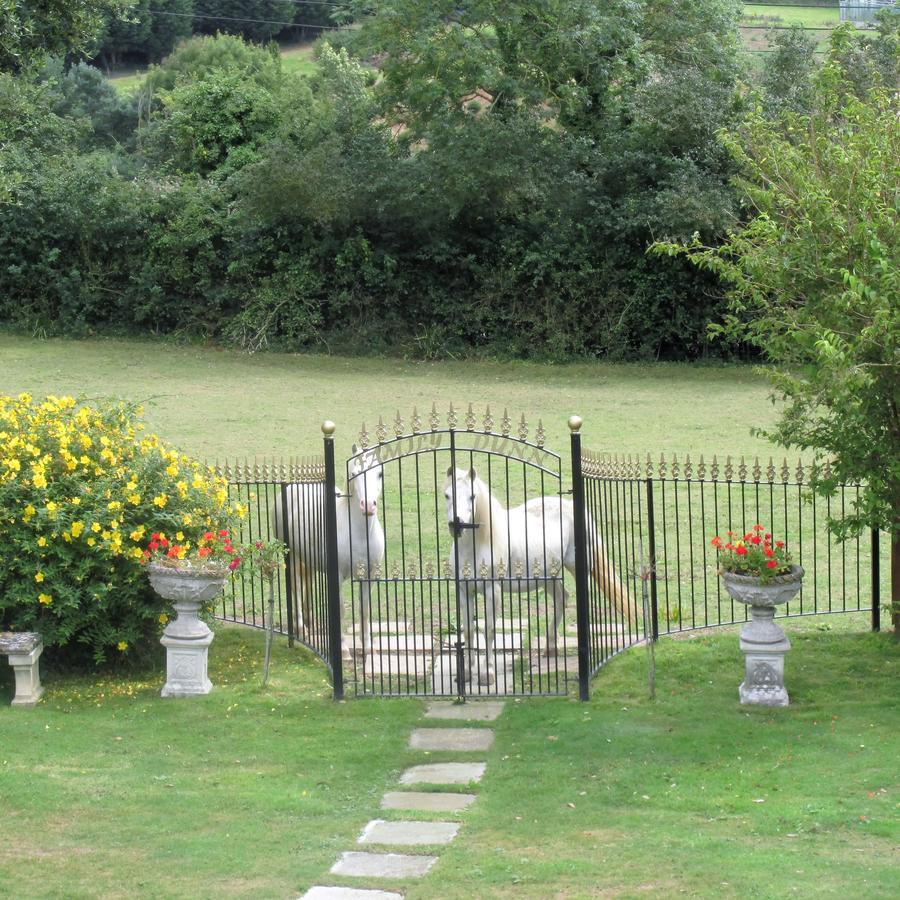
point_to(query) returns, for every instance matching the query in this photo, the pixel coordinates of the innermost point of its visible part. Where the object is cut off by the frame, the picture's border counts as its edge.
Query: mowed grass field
(108, 791)
(222, 404)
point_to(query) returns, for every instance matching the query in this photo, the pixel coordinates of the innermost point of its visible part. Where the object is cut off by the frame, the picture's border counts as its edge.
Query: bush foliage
(82, 487)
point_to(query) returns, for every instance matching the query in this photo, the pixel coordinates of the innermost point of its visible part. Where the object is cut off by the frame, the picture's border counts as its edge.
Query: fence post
(651, 535)
(289, 569)
(876, 581)
(332, 572)
(581, 566)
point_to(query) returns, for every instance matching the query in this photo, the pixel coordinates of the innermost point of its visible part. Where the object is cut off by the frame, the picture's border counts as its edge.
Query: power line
(160, 12)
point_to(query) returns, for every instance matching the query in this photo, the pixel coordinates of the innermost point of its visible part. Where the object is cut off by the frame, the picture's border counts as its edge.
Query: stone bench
(23, 649)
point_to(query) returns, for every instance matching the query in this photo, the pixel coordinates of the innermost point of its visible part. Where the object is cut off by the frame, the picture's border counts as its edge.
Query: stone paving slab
(444, 773)
(427, 801)
(480, 711)
(321, 892)
(443, 678)
(357, 864)
(451, 739)
(408, 834)
(394, 665)
(401, 643)
(504, 641)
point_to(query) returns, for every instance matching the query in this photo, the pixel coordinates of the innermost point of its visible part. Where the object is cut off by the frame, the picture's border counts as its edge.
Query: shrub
(81, 489)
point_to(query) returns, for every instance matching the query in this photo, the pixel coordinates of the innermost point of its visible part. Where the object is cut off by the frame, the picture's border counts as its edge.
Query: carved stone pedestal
(23, 650)
(187, 637)
(764, 645)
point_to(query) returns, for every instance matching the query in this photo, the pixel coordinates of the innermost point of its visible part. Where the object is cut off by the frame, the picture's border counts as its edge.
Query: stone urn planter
(187, 637)
(763, 642)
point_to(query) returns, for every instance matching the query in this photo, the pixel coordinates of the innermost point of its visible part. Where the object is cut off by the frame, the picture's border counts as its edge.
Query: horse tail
(606, 578)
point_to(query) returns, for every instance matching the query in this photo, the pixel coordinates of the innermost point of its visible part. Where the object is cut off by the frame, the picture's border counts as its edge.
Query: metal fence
(283, 500)
(656, 518)
(644, 564)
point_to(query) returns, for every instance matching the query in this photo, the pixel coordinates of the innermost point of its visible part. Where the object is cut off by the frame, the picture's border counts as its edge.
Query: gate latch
(459, 526)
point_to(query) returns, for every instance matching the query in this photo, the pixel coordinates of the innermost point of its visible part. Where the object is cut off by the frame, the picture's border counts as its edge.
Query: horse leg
(304, 590)
(486, 675)
(365, 625)
(560, 595)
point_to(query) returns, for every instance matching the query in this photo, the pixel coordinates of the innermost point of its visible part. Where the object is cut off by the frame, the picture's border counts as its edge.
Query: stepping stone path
(370, 867)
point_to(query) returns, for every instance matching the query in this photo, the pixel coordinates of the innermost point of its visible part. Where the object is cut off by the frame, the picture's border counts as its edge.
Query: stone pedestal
(187, 637)
(764, 645)
(23, 650)
(186, 657)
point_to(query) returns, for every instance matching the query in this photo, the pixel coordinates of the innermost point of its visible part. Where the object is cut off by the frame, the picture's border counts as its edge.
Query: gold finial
(328, 428)
(434, 420)
(575, 423)
(523, 428)
(555, 567)
(398, 424)
(501, 569)
(452, 418)
(470, 419)
(488, 424)
(376, 573)
(396, 571)
(380, 431)
(360, 571)
(483, 570)
(519, 568)
(448, 572)
(505, 424)
(770, 471)
(536, 568)
(540, 435)
(416, 421)
(412, 570)
(785, 471)
(363, 436)
(429, 569)
(467, 570)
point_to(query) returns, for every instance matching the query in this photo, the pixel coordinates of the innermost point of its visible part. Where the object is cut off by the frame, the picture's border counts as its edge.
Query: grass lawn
(810, 16)
(108, 791)
(220, 403)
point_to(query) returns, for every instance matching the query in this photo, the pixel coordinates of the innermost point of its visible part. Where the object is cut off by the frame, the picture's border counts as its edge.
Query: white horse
(517, 550)
(360, 536)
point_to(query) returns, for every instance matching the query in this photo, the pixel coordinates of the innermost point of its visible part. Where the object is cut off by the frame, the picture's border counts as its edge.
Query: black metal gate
(458, 543)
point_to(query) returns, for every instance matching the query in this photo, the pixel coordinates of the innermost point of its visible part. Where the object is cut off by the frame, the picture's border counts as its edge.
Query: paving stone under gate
(357, 864)
(401, 643)
(408, 834)
(444, 773)
(504, 641)
(479, 711)
(443, 678)
(387, 626)
(451, 739)
(394, 666)
(427, 801)
(321, 892)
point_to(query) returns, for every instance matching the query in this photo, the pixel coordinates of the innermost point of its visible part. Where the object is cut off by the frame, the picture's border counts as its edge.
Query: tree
(814, 283)
(30, 32)
(149, 29)
(256, 20)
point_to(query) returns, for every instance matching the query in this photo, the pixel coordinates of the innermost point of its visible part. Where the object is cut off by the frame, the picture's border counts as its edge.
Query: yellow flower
(39, 481)
(160, 500)
(179, 536)
(163, 618)
(172, 470)
(95, 527)
(187, 519)
(46, 599)
(77, 528)
(51, 507)
(137, 553)
(138, 533)
(91, 542)
(122, 645)
(134, 499)
(29, 512)
(39, 577)
(42, 541)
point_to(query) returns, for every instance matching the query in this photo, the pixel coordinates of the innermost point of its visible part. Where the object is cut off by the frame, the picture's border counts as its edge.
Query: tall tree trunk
(895, 581)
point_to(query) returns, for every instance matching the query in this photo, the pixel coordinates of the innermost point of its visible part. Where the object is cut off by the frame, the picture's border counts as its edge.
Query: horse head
(460, 493)
(366, 481)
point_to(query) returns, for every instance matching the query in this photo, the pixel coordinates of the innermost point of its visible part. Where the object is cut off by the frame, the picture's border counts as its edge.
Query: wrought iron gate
(466, 593)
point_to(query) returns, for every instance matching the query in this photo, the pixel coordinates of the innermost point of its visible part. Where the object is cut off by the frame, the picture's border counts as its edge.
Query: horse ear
(354, 450)
(472, 475)
(449, 471)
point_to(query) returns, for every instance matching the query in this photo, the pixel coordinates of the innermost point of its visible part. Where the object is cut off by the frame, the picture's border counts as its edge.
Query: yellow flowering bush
(82, 488)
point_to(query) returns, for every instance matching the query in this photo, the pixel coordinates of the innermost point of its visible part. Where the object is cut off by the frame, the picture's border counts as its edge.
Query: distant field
(820, 17)
(295, 58)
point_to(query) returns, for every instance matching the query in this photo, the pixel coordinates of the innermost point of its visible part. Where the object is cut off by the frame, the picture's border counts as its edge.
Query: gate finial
(328, 428)
(575, 423)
